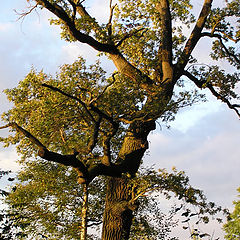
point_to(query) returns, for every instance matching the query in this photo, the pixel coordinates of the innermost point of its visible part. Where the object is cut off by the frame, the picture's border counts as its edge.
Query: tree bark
(83, 235)
(118, 215)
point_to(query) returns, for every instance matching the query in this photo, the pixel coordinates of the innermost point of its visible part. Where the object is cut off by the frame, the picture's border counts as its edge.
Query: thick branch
(195, 35)
(166, 34)
(133, 150)
(82, 37)
(120, 62)
(92, 143)
(200, 84)
(127, 69)
(106, 159)
(25, 133)
(67, 160)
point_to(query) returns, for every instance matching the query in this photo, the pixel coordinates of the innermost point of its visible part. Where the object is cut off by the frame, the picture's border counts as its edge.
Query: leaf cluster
(62, 123)
(232, 227)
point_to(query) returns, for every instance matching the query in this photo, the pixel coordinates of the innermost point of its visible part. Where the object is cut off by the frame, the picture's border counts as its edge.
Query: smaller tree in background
(232, 227)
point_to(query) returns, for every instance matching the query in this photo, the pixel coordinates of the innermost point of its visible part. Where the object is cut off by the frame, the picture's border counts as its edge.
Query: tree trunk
(118, 215)
(83, 235)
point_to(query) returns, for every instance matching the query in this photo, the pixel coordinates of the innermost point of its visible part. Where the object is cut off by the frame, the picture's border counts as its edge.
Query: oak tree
(98, 123)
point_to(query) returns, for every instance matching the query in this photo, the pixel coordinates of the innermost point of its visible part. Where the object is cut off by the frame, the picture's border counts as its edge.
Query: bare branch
(72, 97)
(205, 34)
(128, 35)
(200, 84)
(23, 14)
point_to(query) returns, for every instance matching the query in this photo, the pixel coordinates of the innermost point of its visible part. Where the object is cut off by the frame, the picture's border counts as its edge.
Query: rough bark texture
(117, 216)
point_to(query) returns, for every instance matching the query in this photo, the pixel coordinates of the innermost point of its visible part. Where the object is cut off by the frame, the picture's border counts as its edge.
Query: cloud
(207, 151)
(71, 51)
(8, 160)
(100, 10)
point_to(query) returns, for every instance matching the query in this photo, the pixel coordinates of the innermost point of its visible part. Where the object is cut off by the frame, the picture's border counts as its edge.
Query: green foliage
(58, 112)
(7, 227)
(47, 201)
(60, 123)
(193, 208)
(232, 227)
(225, 21)
(142, 16)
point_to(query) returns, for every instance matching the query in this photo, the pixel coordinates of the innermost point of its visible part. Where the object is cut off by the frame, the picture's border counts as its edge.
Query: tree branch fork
(86, 172)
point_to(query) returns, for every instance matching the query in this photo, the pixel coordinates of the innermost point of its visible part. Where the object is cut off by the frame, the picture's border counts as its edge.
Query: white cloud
(5, 27)
(100, 10)
(209, 154)
(207, 151)
(71, 51)
(8, 158)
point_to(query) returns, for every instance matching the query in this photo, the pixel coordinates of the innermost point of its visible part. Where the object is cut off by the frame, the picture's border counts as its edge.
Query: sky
(203, 141)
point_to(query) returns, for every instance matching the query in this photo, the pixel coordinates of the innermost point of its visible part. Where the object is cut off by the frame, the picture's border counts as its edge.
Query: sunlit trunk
(83, 226)
(117, 218)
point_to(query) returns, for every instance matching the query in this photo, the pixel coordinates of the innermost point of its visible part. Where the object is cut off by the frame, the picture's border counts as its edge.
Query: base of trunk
(117, 217)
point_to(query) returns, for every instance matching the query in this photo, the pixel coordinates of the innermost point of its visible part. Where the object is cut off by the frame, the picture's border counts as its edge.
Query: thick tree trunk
(117, 217)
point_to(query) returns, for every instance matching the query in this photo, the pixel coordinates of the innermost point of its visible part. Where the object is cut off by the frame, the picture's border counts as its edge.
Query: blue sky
(203, 141)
